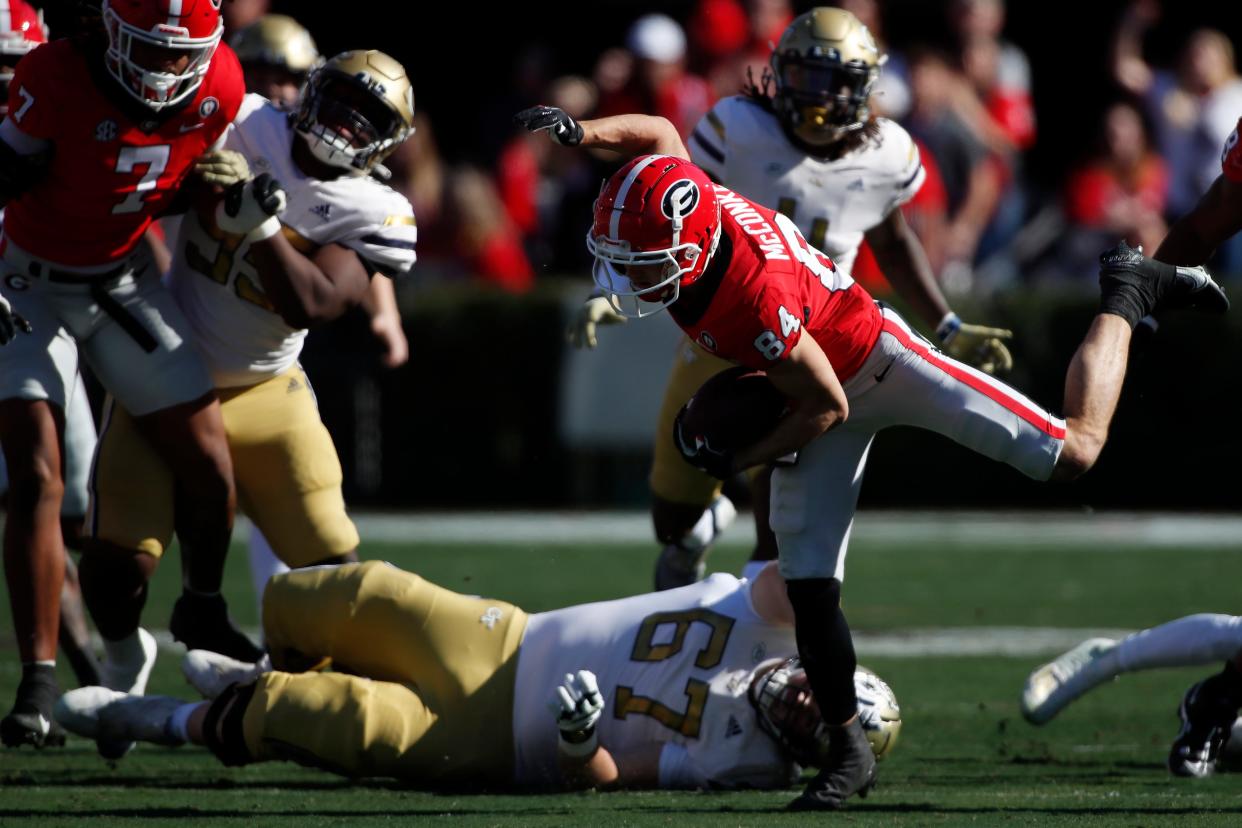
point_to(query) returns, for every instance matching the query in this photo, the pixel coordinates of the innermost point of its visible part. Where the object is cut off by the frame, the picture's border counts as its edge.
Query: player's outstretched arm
(629, 135)
(1195, 236)
(817, 404)
(901, 256)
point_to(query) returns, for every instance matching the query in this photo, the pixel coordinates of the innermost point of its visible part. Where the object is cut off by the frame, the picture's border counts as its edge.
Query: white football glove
(249, 208)
(977, 345)
(577, 705)
(223, 168)
(594, 312)
(11, 322)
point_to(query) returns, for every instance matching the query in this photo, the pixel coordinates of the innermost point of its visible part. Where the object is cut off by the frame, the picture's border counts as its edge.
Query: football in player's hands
(11, 323)
(731, 411)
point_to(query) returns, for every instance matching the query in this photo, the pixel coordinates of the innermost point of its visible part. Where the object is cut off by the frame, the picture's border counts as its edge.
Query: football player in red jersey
(740, 279)
(101, 133)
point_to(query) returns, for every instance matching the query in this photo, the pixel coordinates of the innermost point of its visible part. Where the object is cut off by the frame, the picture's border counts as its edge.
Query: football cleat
(30, 722)
(849, 768)
(130, 674)
(201, 622)
(1050, 688)
(679, 567)
(1206, 724)
(211, 673)
(111, 716)
(1163, 286)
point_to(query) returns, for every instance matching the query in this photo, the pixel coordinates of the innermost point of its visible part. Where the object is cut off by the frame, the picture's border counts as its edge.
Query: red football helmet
(147, 40)
(21, 29)
(656, 210)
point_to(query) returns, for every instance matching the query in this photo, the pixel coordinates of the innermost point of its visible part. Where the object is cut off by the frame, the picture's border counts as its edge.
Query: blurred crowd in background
(518, 208)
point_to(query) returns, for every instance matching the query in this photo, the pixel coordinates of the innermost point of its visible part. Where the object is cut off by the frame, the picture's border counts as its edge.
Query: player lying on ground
(1209, 707)
(685, 688)
(742, 281)
(249, 302)
(843, 176)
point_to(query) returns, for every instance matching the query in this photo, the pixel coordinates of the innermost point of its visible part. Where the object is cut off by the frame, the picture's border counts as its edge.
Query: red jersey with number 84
(775, 286)
(108, 178)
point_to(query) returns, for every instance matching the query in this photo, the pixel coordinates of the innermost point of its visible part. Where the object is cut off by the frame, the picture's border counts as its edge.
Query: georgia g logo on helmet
(680, 199)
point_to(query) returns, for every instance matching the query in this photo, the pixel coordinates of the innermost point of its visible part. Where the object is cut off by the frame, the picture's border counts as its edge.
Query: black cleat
(201, 622)
(679, 567)
(848, 770)
(30, 722)
(1206, 724)
(1161, 286)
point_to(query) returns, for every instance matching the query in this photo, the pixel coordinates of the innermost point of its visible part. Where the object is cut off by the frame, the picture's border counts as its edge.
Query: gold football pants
(429, 691)
(285, 464)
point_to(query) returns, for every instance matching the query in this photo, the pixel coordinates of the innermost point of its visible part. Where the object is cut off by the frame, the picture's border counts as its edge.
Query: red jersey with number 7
(765, 286)
(115, 166)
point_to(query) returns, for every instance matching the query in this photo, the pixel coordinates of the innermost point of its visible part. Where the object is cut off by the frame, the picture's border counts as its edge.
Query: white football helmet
(788, 713)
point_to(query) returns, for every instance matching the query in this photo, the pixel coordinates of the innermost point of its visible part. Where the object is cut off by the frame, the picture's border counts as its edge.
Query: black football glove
(563, 129)
(11, 323)
(696, 451)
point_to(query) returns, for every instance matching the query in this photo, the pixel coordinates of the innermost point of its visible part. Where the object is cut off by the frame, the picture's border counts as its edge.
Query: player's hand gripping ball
(731, 411)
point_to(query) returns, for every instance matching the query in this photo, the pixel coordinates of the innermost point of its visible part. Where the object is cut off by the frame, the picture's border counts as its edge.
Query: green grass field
(965, 756)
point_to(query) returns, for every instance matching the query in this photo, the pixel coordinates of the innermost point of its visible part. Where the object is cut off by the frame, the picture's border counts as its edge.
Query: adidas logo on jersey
(734, 728)
(856, 185)
(322, 210)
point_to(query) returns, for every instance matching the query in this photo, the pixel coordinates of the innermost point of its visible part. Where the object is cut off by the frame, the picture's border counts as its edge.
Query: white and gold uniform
(453, 688)
(287, 471)
(743, 146)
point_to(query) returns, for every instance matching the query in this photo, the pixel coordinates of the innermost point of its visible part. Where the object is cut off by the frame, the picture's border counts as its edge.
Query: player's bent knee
(673, 521)
(1077, 456)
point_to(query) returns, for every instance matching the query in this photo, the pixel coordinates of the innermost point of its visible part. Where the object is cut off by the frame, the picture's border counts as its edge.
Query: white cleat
(109, 716)
(212, 673)
(130, 674)
(1050, 688)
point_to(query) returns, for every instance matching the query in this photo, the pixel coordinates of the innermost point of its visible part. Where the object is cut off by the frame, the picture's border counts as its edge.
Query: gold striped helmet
(824, 67)
(278, 41)
(356, 109)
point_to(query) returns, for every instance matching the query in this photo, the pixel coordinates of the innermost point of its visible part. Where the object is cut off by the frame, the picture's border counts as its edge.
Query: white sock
(178, 722)
(263, 565)
(1196, 639)
(127, 650)
(710, 525)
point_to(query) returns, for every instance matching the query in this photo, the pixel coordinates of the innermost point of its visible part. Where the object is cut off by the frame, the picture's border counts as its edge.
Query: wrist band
(582, 749)
(269, 228)
(948, 328)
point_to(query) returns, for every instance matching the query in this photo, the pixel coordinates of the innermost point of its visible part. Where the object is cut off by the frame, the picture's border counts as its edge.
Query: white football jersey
(238, 332)
(742, 145)
(674, 668)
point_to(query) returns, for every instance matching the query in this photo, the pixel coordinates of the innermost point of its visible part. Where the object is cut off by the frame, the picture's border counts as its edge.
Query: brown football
(734, 409)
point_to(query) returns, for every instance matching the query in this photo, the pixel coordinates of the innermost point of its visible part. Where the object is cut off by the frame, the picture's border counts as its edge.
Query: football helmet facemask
(147, 40)
(660, 211)
(824, 67)
(788, 713)
(21, 29)
(355, 110)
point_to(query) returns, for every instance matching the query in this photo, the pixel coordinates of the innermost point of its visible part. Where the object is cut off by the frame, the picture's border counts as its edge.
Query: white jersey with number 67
(741, 145)
(674, 668)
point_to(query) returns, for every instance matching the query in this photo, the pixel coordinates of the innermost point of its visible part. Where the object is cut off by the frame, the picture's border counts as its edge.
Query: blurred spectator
(547, 189)
(1122, 191)
(973, 180)
(238, 14)
(276, 53)
(890, 97)
(1193, 110)
(649, 75)
(733, 39)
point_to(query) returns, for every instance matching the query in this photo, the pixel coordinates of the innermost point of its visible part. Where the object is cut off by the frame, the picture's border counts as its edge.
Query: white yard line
(1111, 531)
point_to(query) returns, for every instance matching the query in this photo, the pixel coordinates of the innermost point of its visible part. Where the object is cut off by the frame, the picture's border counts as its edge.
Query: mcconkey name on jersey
(674, 668)
(833, 202)
(241, 336)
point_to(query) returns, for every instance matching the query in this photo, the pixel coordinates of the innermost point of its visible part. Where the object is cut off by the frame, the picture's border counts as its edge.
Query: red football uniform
(1231, 158)
(113, 169)
(765, 285)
